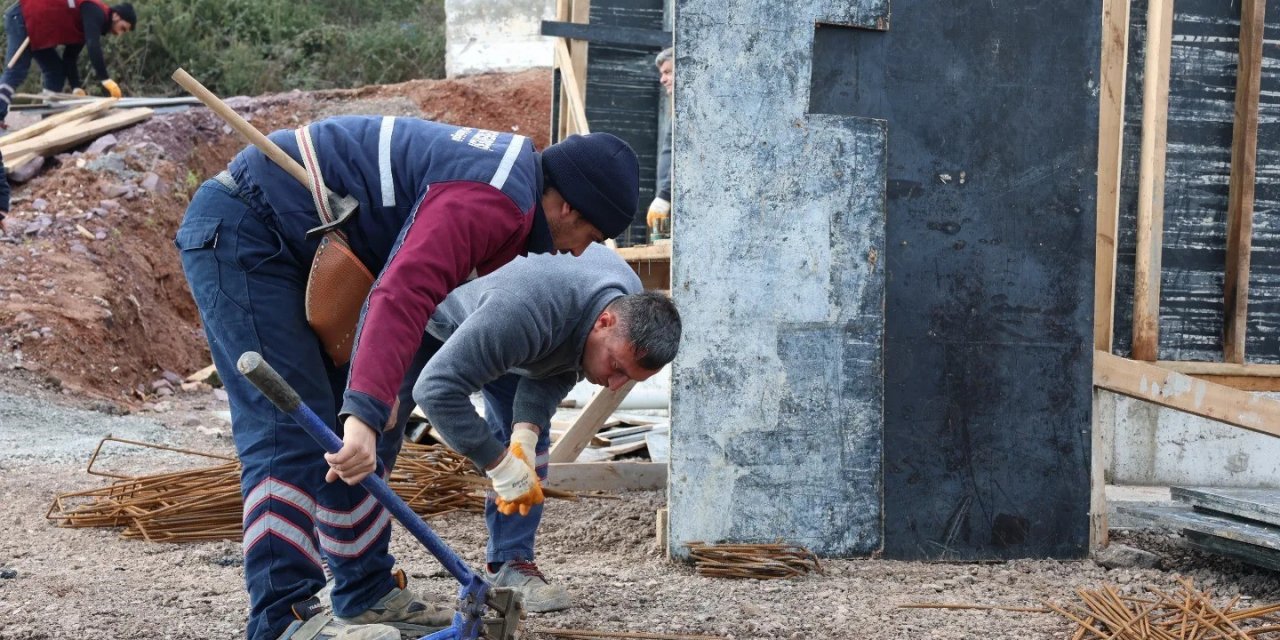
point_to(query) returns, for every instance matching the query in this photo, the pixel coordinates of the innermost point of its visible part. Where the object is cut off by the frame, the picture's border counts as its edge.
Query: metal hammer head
(343, 208)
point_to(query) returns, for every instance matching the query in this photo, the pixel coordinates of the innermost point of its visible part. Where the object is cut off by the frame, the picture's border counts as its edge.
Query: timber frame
(1221, 391)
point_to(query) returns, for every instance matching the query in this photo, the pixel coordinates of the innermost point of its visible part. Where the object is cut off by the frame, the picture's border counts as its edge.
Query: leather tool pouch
(338, 283)
(336, 290)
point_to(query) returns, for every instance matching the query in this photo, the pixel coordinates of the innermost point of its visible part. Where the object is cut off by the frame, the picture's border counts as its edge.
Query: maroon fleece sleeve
(458, 226)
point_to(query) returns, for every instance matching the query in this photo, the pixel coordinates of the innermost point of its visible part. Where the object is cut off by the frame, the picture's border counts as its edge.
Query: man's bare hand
(358, 456)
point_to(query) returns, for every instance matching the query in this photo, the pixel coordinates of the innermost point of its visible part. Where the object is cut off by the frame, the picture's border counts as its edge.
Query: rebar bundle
(205, 503)
(435, 480)
(1183, 615)
(758, 561)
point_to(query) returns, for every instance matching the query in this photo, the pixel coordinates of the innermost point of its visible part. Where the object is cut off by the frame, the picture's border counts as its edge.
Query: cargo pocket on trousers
(196, 240)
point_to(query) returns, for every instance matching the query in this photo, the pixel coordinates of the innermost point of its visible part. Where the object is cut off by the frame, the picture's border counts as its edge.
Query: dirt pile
(92, 295)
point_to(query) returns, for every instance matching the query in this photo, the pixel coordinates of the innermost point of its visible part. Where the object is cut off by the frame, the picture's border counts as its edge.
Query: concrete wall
(777, 238)
(496, 35)
(1156, 446)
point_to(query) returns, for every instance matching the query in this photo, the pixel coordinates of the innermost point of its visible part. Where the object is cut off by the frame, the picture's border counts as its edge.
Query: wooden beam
(1146, 381)
(1100, 442)
(576, 113)
(1244, 156)
(51, 122)
(1222, 368)
(1115, 51)
(1243, 383)
(1155, 123)
(607, 476)
(580, 433)
(580, 12)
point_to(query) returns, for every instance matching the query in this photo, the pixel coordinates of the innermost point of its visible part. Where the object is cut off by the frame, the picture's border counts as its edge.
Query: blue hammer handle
(474, 593)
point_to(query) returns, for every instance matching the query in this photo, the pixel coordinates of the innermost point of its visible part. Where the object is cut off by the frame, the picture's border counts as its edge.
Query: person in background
(659, 216)
(45, 25)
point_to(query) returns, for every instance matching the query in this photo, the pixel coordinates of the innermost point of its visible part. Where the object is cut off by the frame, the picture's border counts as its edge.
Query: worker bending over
(45, 25)
(525, 335)
(438, 204)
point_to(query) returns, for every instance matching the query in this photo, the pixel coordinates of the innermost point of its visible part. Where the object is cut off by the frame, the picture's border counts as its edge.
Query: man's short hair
(664, 55)
(652, 326)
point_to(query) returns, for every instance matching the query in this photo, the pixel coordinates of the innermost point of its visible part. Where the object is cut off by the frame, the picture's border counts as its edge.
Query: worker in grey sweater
(549, 320)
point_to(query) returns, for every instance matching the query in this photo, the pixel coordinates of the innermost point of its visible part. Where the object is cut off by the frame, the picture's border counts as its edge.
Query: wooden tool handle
(22, 48)
(242, 126)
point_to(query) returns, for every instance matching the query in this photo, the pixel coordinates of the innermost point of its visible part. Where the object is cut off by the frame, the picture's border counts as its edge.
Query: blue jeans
(510, 537)
(249, 285)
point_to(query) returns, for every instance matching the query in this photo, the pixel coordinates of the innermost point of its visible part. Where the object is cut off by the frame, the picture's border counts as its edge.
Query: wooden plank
(1243, 383)
(1244, 157)
(607, 476)
(1222, 368)
(75, 133)
(598, 409)
(1103, 420)
(576, 114)
(52, 122)
(1115, 51)
(1174, 390)
(608, 34)
(1262, 505)
(580, 12)
(1155, 123)
(642, 252)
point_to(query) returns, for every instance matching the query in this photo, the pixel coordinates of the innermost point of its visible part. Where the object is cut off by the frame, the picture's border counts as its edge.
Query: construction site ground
(98, 330)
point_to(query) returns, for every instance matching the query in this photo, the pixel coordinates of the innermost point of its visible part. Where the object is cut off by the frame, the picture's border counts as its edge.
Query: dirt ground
(97, 323)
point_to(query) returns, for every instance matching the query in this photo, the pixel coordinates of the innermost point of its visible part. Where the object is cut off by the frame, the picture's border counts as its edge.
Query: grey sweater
(531, 318)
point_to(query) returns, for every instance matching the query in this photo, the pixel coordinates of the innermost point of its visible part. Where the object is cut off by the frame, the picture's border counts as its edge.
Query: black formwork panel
(1202, 83)
(992, 118)
(623, 94)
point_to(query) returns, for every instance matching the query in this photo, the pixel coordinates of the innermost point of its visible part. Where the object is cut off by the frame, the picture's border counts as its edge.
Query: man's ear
(606, 319)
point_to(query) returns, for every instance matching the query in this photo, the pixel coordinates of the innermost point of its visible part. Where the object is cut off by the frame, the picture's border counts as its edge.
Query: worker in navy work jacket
(72, 24)
(524, 336)
(438, 204)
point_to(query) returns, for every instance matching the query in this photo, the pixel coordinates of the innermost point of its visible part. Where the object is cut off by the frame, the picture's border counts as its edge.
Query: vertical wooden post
(562, 127)
(1115, 52)
(1244, 155)
(578, 51)
(1155, 122)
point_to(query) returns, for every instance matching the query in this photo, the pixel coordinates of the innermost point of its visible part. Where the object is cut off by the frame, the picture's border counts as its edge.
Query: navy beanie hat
(126, 12)
(598, 174)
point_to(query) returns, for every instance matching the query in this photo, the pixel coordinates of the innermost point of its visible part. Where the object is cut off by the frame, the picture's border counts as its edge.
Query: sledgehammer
(476, 597)
(339, 209)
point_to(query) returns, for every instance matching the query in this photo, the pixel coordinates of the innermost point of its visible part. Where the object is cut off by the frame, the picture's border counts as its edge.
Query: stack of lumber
(1186, 614)
(1240, 523)
(67, 130)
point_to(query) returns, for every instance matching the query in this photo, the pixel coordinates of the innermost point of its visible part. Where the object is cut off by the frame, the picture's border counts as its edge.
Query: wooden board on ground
(1262, 505)
(607, 476)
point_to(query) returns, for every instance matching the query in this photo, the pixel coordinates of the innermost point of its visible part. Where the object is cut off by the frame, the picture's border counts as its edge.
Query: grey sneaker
(326, 627)
(540, 596)
(403, 610)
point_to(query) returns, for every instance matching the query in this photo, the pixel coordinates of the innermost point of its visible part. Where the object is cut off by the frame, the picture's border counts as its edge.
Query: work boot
(326, 627)
(403, 610)
(523, 577)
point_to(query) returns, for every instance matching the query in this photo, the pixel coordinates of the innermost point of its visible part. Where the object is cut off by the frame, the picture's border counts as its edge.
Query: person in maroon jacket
(73, 25)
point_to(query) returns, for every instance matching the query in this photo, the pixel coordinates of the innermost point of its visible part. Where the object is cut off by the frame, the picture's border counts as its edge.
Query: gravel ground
(79, 583)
